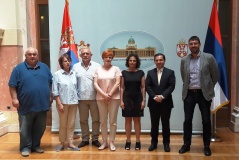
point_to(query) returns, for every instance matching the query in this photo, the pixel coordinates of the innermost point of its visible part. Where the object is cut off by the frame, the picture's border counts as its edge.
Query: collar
(64, 72)
(160, 70)
(82, 64)
(29, 67)
(199, 54)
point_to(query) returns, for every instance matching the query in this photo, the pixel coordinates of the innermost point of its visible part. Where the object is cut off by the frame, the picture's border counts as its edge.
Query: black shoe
(83, 144)
(127, 145)
(152, 147)
(137, 146)
(185, 148)
(207, 151)
(96, 143)
(166, 148)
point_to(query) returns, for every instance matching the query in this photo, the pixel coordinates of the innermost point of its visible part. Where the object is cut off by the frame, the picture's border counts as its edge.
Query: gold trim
(220, 106)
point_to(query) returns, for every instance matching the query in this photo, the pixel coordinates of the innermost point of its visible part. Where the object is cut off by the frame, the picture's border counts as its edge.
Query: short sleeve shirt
(32, 86)
(106, 81)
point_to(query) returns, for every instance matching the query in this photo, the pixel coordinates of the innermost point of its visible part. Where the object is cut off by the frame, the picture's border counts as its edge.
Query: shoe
(137, 146)
(152, 147)
(103, 146)
(38, 150)
(25, 153)
(76, 136)
(207, 151)
(112, 146)
(96, 143)
(59, 148)
(73, 148)
(83, 144)
(127, 145)
(166, 148)
(185, 148)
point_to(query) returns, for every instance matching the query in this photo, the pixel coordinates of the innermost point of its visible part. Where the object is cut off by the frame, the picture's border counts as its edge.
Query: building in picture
(132, 48)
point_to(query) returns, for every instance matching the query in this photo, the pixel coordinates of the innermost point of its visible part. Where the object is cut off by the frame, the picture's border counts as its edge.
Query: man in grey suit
(199, 74)
(160, 84)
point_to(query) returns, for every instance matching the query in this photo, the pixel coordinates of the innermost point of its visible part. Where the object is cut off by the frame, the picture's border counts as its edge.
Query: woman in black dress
(132, 98)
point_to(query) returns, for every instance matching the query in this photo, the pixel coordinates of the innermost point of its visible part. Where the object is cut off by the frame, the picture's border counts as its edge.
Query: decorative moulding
(1, 33)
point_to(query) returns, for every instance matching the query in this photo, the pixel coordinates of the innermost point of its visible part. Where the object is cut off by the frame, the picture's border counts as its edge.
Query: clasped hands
(107, 97)
(158, 98)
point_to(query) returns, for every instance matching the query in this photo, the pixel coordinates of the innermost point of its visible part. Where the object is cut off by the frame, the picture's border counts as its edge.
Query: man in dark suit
(199, 74)
(160, 83)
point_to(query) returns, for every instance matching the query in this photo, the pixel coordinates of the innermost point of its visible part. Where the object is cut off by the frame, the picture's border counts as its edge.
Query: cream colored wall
(8, 14)
(13, 21)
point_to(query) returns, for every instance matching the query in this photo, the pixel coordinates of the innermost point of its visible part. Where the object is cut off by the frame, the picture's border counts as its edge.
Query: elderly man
(86, 96)
(30, 89)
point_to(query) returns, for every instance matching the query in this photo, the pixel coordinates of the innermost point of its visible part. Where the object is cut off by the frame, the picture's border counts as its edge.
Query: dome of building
(131, 41)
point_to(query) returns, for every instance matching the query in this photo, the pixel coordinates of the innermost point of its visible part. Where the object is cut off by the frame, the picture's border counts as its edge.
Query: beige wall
(14, 39)
(13, 21)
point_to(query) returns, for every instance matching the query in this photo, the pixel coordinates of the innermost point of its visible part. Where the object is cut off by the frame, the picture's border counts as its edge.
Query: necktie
(159, 76)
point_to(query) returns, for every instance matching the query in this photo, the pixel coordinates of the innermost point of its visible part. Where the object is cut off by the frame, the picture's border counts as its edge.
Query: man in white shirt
(86, 96)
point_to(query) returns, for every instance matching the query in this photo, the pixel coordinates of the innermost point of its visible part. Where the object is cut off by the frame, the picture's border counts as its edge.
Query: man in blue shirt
(30, 89)
(199, 73)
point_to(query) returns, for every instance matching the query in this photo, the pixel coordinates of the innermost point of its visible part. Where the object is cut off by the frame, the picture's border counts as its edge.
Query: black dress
(132, 96)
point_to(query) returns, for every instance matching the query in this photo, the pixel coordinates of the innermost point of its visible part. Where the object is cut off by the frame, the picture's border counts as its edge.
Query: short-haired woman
(106, 82)
(65, 93)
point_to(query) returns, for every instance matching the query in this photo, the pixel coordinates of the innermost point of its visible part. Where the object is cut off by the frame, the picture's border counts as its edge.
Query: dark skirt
(132, 104)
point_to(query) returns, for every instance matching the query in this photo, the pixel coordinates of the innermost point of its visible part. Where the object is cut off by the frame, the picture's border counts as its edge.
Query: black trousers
(157, 113)
(196, 97)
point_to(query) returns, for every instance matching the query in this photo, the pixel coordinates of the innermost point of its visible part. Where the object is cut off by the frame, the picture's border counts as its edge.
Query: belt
(195, 90)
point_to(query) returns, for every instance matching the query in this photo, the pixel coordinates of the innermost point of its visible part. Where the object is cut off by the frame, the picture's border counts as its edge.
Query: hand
(122, 105)
(15, 103)
(61, 108)
(143, 104)
(107, 97)
(158, 98)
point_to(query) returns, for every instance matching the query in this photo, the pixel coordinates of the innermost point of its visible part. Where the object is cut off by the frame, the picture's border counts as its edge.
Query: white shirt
(85, 80)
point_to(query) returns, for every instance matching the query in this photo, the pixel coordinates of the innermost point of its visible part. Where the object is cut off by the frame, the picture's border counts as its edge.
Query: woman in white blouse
(65, 93)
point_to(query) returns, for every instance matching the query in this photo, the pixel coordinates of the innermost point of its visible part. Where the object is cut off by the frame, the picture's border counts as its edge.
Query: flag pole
(214, 136)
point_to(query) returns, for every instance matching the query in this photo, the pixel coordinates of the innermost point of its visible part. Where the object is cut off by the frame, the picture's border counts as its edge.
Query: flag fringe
(220, 106)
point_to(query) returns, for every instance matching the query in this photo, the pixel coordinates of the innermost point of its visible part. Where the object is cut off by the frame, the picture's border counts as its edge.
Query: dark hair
(61, 59)
(193, 38)
(136, 57)
(160, 54)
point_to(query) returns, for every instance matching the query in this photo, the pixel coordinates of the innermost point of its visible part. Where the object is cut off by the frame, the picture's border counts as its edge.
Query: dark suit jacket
(166, 87)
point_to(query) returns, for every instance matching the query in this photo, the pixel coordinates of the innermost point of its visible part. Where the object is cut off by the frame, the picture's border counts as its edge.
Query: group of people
(101, 89)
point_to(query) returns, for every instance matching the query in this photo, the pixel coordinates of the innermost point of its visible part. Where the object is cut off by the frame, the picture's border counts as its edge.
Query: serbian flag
(213, 45)
(67, 43)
